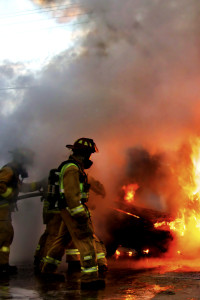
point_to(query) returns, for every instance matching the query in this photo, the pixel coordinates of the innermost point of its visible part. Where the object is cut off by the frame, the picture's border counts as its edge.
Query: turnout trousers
(47, 238)
(83, 238)
(6, 238)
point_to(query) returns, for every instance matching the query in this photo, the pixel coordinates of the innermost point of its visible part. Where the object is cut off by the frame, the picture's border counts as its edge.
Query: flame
(117, 253)
(196, 167)
(146, 251)
(129, 191)
(178, 225)
(186, 226)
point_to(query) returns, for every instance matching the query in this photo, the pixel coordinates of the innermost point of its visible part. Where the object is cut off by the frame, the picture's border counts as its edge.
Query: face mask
(23, 173)
(87, 163)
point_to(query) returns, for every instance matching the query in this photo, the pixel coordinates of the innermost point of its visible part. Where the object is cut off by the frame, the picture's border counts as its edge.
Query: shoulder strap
(63, 166)
(66, 164)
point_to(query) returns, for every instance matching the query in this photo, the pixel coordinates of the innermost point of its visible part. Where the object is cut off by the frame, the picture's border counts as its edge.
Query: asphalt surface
(126, 279)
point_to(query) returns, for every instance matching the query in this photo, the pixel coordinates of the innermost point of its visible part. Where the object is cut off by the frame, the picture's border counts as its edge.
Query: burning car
(131, 220)
(151, 186)
(133, 229)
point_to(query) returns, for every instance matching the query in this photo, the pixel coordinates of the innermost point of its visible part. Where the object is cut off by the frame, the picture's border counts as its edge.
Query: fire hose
(30, 195)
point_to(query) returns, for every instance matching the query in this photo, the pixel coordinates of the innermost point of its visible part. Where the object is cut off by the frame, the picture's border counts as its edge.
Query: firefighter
(52, 220)
(76, 223)
(72, 253)
(11, 183)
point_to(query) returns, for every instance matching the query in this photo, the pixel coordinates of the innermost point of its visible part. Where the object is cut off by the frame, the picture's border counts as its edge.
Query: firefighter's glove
(36, 185)
(101, 189)
(84, 230)
(97, 187)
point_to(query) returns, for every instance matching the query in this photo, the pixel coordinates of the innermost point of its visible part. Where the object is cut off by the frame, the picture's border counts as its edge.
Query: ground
(126, 279)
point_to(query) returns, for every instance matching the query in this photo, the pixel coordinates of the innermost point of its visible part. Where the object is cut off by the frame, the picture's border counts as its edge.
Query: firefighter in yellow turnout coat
(11, 177)
(77, 224)
(72, 253)
(52, 220)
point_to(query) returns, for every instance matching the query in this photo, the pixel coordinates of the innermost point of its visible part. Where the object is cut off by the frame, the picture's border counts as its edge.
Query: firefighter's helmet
(23, 155)
(84, 144)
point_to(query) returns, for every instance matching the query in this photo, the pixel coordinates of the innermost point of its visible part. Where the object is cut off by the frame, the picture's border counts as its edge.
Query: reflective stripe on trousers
(101, 255)
(51, 260)
(88, 257)
(89, 270)
(72, 252)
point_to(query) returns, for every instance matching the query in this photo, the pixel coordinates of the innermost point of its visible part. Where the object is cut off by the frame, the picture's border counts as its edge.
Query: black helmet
(84, 144)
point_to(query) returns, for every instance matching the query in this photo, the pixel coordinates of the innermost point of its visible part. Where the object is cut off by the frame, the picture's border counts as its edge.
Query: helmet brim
(70, 146)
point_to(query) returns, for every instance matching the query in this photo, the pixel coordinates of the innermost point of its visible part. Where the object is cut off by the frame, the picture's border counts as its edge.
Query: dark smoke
(132, 79)
(158, 185)
(141, 166)
(149, 173)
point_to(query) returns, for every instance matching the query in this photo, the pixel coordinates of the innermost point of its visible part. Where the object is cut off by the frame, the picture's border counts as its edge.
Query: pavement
(126, 279)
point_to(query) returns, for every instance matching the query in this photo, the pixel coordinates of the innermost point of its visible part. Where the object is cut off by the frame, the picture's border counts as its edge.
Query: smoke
(131, 79)
(129, 83)
(149, 173)
(160, 178)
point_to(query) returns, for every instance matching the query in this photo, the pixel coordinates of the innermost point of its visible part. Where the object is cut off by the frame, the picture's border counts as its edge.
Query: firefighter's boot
(95, 284)
(92, 281)
(102, 269)
(36, 264)
(52, 277)
(49, 273)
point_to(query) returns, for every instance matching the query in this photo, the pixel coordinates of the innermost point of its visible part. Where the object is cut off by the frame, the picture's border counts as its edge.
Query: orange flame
(117, 252)
(186, 227)
(130, 190)
(146, 251)
(178, 225)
